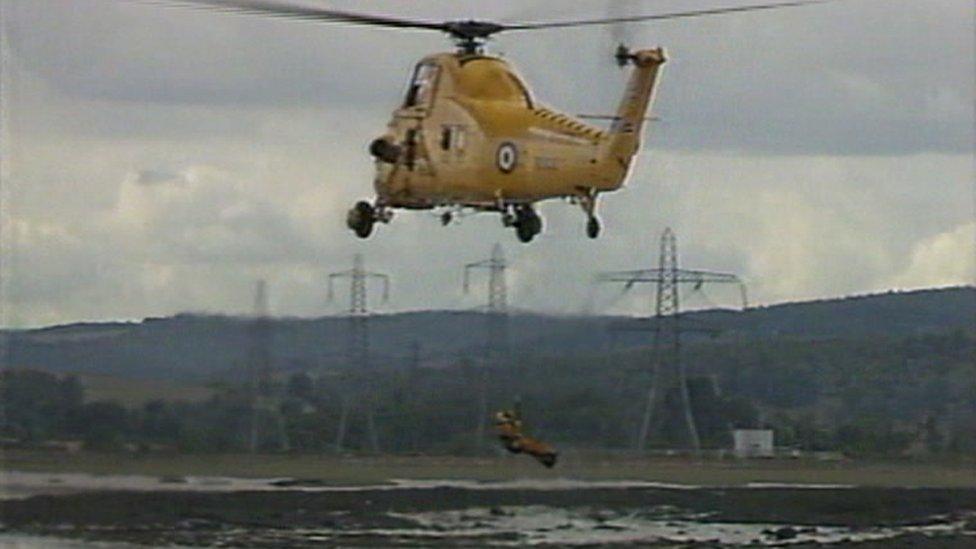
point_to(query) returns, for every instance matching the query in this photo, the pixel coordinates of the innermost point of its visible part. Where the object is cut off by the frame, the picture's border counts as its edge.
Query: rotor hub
(471, 35)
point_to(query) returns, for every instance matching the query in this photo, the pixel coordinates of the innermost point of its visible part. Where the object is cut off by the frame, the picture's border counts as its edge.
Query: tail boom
(625, 133)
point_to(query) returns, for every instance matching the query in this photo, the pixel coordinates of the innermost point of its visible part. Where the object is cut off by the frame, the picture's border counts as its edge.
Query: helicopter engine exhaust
(384, 151)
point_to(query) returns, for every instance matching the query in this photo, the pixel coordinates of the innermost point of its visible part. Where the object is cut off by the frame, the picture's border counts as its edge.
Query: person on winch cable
(508, 426)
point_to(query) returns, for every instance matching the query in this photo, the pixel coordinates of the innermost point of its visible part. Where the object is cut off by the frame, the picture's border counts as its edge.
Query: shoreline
(374, 470)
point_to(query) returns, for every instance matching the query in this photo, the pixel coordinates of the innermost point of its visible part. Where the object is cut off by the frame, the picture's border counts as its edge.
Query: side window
(458, 136)
(421, 89)
(452, 137)
(446, 138)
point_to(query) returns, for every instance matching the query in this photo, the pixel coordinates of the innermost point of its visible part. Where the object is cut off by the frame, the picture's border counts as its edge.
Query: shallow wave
(15, 484)
(541, 525)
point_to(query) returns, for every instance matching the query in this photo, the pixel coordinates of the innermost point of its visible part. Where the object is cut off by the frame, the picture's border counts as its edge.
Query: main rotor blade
(468, 31)
(660, 16)
(306, 13)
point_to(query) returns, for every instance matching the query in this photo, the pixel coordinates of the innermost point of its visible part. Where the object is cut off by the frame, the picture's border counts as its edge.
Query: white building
(751, 443)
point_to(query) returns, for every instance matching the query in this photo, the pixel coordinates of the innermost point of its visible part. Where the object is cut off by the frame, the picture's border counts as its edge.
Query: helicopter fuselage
(470, 134)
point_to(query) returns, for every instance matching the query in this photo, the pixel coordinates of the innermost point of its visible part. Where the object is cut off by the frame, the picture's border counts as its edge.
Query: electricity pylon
(669, 369)
(496, 326)
(357, 346)
(262, 393)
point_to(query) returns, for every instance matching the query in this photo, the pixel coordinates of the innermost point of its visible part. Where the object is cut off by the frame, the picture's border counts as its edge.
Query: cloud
(194, 240)
(214, 216)
(846, 78)
(791, 227)
(159, 176)
(837, 79)
(162, 160)
(946, 259)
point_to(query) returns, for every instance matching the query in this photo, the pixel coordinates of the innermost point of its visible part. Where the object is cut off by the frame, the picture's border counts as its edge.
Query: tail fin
(629, 119)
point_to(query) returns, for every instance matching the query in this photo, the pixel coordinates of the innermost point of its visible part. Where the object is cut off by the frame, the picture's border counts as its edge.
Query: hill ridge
(199, 346)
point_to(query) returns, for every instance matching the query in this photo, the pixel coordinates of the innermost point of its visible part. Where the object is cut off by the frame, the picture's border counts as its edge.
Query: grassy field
(134, 393)
(369, 470)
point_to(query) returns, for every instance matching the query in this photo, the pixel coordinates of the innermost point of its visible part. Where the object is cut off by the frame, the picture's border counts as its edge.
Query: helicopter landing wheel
(361, 218)
(593, 227)
(528, 224)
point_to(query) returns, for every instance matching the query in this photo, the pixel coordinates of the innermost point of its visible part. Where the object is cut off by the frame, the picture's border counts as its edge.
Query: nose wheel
(363, 216)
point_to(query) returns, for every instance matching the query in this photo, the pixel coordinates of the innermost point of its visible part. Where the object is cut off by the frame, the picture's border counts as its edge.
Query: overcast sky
(159, 160)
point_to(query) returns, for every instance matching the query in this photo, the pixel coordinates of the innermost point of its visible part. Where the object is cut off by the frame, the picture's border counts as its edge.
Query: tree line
(864, 396)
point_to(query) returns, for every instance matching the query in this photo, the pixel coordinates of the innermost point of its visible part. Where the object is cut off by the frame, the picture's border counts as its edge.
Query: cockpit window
(421, 89)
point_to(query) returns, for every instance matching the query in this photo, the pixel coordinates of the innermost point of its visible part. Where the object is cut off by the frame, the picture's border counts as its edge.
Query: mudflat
(302, 500)
(297, 513)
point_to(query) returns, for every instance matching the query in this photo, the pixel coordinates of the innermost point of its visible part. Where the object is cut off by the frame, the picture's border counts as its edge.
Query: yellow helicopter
(470, 134)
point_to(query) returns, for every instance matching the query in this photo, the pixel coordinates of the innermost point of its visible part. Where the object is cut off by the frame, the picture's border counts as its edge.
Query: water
(16, 484)
(525, 512)
(17, 541)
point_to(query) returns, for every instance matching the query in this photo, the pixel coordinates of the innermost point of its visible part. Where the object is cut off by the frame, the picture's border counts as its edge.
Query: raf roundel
(506, 157)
